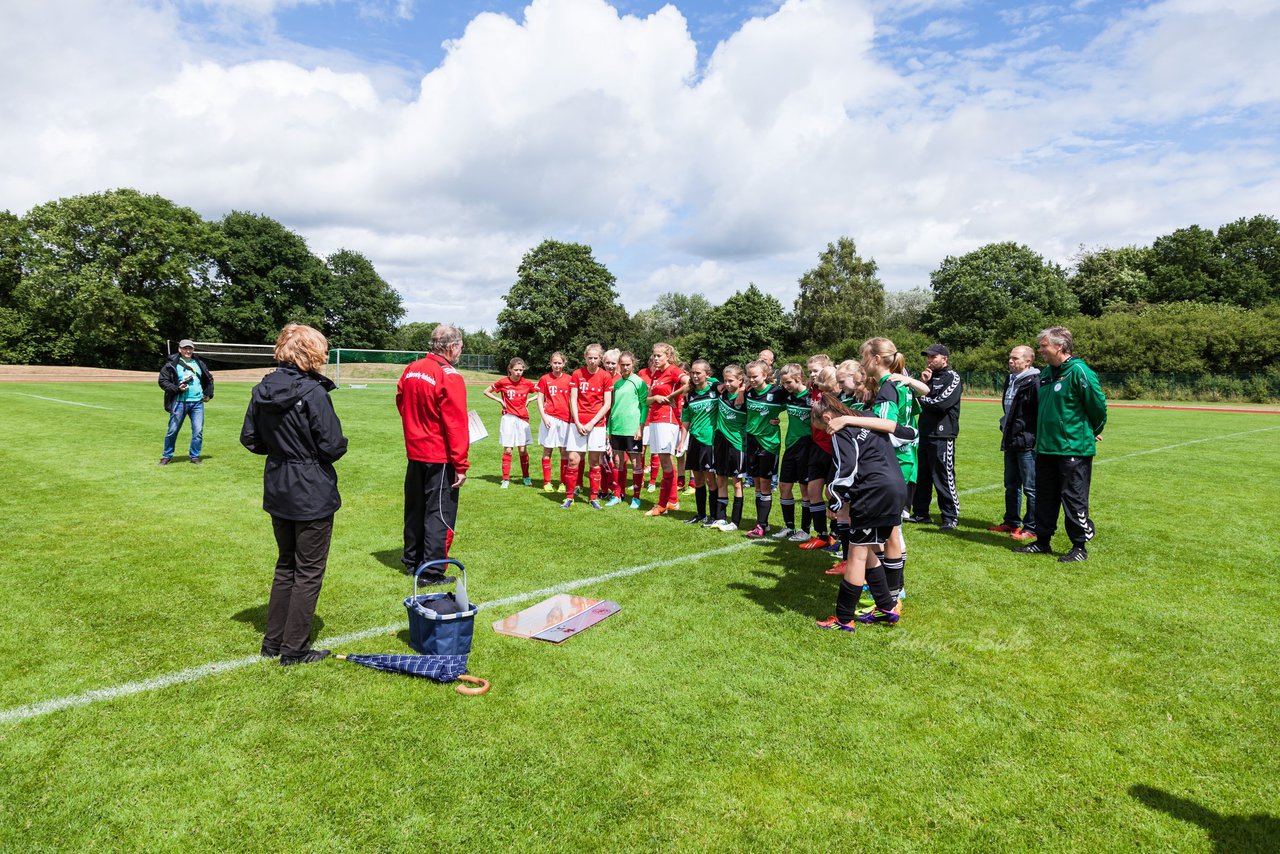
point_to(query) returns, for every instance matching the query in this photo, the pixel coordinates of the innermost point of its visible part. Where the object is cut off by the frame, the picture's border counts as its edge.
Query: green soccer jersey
(799, 416)
(762, 408)
(731, 419)
(700, 410)
(896, 403)
(630, 406)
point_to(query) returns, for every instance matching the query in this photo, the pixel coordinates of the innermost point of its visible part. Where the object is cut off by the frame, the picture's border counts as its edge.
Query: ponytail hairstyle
(514, 362)
(826, 382)
(828, 403)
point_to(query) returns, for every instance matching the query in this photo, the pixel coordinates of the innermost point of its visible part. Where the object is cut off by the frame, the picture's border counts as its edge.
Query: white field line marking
(57, 400)
(1137, 454)
(22, 713)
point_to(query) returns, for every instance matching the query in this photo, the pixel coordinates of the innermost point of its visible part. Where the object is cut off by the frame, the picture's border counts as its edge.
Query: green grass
(1127, 702)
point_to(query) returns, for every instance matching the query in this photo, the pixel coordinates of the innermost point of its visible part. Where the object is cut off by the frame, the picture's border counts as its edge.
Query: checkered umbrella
(441, 668)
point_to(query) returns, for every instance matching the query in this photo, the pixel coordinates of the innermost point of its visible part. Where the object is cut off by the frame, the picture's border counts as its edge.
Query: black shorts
(699, 456)
(625, 444)
(729, 461)
(795, 462)
(760, 463)
(876, 536)
(820, 464)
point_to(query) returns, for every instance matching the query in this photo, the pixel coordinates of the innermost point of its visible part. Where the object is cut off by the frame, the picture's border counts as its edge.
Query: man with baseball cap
(939, 397)
(187, 385)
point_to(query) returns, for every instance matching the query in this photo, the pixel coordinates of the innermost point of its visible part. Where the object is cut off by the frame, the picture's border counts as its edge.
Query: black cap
(936, 350)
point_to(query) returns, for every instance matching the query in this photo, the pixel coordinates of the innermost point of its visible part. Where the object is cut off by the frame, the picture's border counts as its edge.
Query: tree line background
(105, 279)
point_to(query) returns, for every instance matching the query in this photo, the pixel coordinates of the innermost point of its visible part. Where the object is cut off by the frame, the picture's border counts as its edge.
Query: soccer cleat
(949, 526)
(635, 504)
(713, 523)
(783, 534)
(613, 501)
(756, 533)
(833, 547)
(689, 490)
(506, 484)
(696, 520)
(1034, 549)
(836, 569)
(1076, 555)
(1023, 534)
(728, 526)
(526, 481)
(875, 615)
(833, 623)
(815, 543)
(561, 489)
(1003, 528)
(595, 505)
(674, 505)
(657, 510)
(798, 537)
(923, 519)
(547, 487)
(653, 487)
(567, 504)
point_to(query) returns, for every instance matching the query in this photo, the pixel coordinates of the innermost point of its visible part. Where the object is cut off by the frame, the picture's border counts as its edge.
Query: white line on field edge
(22, 713)
(1136, 454)
(59, 400)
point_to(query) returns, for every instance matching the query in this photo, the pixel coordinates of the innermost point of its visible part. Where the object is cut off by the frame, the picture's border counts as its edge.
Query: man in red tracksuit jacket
(432, 399)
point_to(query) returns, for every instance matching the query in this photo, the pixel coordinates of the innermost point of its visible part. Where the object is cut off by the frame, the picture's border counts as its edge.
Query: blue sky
(697, 146)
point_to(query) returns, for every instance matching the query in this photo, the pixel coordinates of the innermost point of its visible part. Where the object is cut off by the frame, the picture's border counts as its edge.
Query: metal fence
(1149, 385)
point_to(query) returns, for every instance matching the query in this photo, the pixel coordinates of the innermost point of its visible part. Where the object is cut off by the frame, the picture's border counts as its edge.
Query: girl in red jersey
(667, 386)
(512, 393)
(590, 396)
(553, 403)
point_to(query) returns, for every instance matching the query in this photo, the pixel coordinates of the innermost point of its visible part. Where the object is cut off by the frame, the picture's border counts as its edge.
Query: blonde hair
(733, 371)
(821, 359)
(303, 346)
(595, 347)
(762, 366)
(612, 355)
(791, 369)
(827, 380)
(668, 349)
(879, 354)
(703, 362)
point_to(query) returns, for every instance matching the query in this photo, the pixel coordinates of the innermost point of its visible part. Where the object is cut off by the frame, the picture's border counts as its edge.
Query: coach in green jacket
(1072, 413)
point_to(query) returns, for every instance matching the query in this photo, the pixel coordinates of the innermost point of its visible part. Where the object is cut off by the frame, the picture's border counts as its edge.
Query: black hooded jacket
(291, 420)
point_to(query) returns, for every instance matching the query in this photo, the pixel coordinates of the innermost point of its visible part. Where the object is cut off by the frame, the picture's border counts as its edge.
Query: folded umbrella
(441, 668)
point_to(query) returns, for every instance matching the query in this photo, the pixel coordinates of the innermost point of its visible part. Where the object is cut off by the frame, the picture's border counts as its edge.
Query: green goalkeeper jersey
(799, 416)
(700, 409)
(764, 407)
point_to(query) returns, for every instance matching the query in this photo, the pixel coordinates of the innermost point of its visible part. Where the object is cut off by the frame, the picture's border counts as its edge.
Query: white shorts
(663, 438)
(644, 437)
(593, 441)
(514, 432)
(554, 436)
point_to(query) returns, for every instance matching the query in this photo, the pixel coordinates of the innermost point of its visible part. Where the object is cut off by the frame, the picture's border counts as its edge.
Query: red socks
(620, 478)
(524, 465)
(506, 465)
(655, 468)
(546, 470)
(594, 474)
(637, 481)
(570, 481)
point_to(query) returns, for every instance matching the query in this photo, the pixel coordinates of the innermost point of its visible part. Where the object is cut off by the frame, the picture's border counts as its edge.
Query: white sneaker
(784, 533)
(798, 537)
(506, 484)
(653, 487)
(728, 526)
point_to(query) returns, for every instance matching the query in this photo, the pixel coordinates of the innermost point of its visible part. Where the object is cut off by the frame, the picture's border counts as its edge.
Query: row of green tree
(1193, 301)
(105, 279)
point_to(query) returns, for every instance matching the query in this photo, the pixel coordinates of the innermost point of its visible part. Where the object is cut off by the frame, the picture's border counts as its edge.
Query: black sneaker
(435, 579)
(1034, 549)
(925, 519)
(948, 526)
(696, 520)
(1076, 554)
(309, 657)
(269, 652)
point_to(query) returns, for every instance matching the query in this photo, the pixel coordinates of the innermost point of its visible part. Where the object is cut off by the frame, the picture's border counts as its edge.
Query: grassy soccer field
(1130, 701)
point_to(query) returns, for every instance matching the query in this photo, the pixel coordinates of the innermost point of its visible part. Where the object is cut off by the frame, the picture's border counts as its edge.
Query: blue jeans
(1020, 480)
(181, 410)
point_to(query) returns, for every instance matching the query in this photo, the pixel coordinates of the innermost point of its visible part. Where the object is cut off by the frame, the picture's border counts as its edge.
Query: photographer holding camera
(187, 385)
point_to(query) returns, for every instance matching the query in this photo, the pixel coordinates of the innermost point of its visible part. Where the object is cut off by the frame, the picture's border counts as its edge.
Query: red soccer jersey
(515, 396)
(821, 437)
(555, 395)
(591, 390)
(663, 384)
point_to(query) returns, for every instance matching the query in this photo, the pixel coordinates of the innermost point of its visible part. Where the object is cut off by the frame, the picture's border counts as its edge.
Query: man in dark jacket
(1018, 441)
(291, 421)
(939, 426)
(187, 385)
